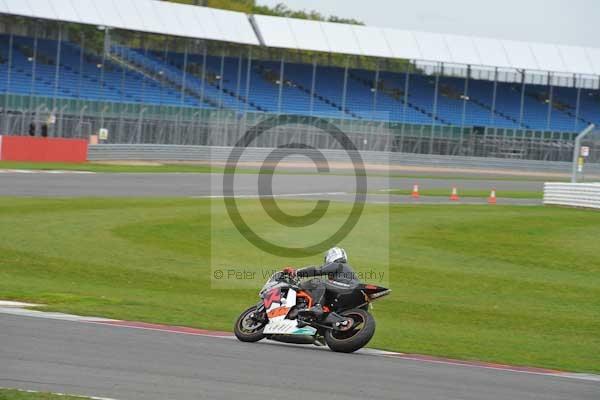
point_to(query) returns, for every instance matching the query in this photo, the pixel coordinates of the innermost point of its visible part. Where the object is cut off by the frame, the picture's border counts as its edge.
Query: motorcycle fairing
(278, 308)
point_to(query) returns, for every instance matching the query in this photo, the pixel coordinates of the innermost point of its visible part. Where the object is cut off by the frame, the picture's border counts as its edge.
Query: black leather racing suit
(339, 275)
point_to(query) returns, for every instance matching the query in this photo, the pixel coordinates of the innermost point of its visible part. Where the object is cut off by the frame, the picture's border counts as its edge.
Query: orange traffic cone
(415, 192)
(454, 195)
(492, 198)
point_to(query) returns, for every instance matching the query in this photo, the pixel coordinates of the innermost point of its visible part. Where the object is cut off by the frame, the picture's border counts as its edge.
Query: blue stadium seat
(147, 77)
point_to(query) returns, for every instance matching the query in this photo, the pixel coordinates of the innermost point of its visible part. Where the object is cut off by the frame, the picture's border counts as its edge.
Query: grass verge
(12, 394)
(112, 168)
(505, 284)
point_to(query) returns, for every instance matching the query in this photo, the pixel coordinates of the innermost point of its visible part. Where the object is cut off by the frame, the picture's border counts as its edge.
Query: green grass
(110, 168)
(10, 394)
(518, 285)
(507, 194)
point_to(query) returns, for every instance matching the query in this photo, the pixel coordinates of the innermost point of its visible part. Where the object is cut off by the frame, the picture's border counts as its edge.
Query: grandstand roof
(394, 43)
(142, 15)
(289, 33)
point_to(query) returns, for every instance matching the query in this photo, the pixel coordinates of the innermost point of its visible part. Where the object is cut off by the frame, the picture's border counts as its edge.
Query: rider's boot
(338, 322)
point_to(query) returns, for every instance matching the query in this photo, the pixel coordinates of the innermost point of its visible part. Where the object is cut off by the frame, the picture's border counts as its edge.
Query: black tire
(243, 333)
(357, 337)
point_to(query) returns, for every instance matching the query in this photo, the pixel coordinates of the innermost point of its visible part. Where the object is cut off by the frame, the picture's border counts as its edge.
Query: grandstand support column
(375, 87)
(345, 86)
(243, 125)
(184, 76)
(550, 100)
(577, 106)
(178, 133)
(203, 83)
(8, 79)
(313, 85)
(122, 99)
(248, 77)
(34, 65)
(281, 76)
(162, 74)
(522, 106)
(57, 69)
(239, 77)
(405, 105)
(80, 74)
(464, 110)
(238, 93)
(494, 96)
(435, 108)
(104, 54)
(144, 44)
(221, 78)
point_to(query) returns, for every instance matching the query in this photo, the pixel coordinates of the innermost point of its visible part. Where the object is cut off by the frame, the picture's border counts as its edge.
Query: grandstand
(126, 68)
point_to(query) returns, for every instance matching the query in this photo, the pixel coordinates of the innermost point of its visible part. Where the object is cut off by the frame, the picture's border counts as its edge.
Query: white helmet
(336, 254)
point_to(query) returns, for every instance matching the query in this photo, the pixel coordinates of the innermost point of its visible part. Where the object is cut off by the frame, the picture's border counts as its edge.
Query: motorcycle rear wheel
(356, 337)
(246, 329)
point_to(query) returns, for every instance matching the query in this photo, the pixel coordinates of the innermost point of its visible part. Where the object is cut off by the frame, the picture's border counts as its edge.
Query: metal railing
(130, 123)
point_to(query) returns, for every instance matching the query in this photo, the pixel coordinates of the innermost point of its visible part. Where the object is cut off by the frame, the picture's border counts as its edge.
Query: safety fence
(585, 195)
(137, 124)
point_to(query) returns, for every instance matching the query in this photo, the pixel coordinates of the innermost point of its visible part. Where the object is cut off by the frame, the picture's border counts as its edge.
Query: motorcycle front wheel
(247, 328)
(356, 337)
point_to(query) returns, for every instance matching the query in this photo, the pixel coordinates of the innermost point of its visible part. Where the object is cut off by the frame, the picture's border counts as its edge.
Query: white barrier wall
(573, 194)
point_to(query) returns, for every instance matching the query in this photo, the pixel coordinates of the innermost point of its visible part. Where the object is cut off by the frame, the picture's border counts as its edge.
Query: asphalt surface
(186, 185)
(122, 363)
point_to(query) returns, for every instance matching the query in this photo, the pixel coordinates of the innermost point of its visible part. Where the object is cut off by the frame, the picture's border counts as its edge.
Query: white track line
(41, 171)
(49, 315)
(63, 394)
(148, 328)
(17, 304)
(569, 375)
(257, 196)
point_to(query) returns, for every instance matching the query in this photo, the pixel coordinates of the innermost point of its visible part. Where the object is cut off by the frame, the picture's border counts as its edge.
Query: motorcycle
(345, 326)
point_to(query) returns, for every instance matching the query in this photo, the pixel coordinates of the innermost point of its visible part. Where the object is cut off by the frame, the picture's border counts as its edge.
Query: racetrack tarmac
(123, 363)
(189, 185)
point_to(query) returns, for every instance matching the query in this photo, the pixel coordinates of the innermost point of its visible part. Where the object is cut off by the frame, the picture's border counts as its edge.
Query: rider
(339, 272)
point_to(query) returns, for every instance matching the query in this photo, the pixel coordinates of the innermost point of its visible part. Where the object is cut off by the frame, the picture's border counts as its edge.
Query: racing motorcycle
(346, 325)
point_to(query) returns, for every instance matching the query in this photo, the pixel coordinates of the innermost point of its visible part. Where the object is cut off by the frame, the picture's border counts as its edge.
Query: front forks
(260, 315)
